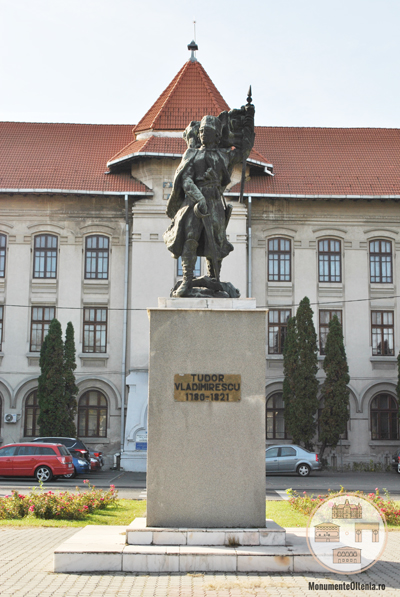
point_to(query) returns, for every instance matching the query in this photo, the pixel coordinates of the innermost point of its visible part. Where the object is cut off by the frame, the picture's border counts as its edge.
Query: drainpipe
(249, 247)
(125, 324)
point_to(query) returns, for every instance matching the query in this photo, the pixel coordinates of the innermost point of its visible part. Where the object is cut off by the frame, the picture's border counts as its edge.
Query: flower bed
(65, 505)
(306, 504)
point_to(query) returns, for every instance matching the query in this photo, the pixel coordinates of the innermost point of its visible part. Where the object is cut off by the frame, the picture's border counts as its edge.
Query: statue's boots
(210, 268)
(189, 257)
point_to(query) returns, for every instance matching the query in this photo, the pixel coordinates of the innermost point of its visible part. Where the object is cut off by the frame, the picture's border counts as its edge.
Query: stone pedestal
(206, 459)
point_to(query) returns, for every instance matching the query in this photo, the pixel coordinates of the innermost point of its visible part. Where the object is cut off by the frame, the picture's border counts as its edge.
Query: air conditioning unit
(10, 418)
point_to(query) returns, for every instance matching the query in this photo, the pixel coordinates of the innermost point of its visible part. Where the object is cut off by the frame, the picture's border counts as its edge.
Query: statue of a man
(196, 205)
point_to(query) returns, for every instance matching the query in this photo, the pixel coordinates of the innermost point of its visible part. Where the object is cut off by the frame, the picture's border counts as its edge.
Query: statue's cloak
(177, 196)
(179, 205)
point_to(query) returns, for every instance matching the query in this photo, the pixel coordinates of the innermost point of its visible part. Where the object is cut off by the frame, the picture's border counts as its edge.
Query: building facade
(82, 215)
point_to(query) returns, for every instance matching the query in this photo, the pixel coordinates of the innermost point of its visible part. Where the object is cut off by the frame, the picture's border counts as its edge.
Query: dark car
(396, 461)
(81, 465)
(35, 460)
(291, 459)
(99, 456)
(72, 443)
(95, 464)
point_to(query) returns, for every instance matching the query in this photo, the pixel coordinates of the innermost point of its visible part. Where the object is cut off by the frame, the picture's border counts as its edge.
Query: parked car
(95, 464)
(72, 443)
(98, 455)
(396, 461)
(81, 465)
(291, 459)
(35, 460)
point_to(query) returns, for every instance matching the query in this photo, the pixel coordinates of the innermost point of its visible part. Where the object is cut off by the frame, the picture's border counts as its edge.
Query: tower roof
(189, 96)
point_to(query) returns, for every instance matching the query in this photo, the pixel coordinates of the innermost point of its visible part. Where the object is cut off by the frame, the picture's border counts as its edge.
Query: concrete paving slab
(26, 570)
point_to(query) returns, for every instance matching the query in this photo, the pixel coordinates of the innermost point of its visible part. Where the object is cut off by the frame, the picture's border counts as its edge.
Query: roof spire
(193, 47)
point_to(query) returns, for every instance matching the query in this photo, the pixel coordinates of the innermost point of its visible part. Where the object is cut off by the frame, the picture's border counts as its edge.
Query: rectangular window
(45, 256)
(3, 247)
(382, 332)
(329, 260)
(277, 329)
(167, 190)
(1, 326)
(94, 329)
(325, 317)
(40, 321)
(96, 258)
(196, 271)
(279, 260)
(380, 261)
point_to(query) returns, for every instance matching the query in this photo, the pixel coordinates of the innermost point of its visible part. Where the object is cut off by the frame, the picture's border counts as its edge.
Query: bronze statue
(197, 207)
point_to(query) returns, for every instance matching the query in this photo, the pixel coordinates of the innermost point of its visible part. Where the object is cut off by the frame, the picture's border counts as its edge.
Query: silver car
(291, 459)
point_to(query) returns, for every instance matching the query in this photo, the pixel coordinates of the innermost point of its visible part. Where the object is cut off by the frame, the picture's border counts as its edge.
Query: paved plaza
(26, 564)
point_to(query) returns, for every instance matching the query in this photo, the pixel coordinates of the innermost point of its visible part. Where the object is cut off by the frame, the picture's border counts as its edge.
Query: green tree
(53, 416)
(290, 358)
(398, 381)
(300, 386)
(70, 388)
(335, 393)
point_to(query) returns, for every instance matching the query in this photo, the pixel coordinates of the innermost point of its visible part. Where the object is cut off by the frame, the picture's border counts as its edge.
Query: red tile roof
(64, 157)
(162, 145)
(189, 96)
(307, 161)
(159, 145)
(328, 162)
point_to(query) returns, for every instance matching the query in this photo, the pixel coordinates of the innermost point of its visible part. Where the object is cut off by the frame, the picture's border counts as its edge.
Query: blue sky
(310, 62)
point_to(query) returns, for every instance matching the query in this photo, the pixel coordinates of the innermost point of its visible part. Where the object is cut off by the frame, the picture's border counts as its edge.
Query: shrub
(306, 504)
(65, 505)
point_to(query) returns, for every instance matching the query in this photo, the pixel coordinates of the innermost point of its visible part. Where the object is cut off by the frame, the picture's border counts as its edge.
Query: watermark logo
(347, 533)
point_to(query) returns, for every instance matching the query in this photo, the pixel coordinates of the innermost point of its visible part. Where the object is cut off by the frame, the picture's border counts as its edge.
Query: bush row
(65, 505)
(308, 503)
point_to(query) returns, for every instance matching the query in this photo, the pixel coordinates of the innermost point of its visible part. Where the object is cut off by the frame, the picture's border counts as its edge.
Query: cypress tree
(71, 389)
(398, 381)
(53, 417)
(335, 393)
(290, 357)
(301, 384)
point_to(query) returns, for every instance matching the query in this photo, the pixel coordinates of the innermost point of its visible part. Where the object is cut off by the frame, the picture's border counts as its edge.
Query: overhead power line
(280, 305)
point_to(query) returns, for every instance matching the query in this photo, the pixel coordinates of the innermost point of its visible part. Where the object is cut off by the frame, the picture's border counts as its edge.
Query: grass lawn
(126, 510)
(283, 514)
(123, 513)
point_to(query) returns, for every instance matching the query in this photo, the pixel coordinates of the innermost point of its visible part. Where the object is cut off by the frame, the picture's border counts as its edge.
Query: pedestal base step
(103, 549)
(139, 534)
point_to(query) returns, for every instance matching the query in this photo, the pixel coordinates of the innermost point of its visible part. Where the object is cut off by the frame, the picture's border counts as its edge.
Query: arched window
(275, 421)
(31, 427)
(380, 261)
(279, 260)
(92, 415)
(329, 260)
(384, 417)
(45, 256)
(96, 257)
(3, 248)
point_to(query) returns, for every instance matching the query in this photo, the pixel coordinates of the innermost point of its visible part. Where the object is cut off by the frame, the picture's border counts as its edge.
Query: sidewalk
(26, 563)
